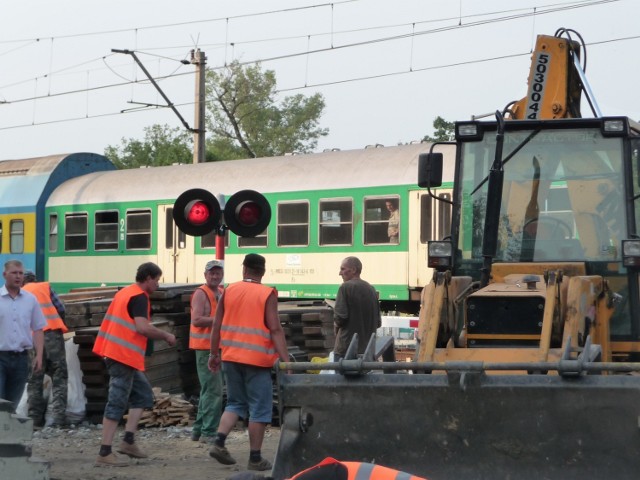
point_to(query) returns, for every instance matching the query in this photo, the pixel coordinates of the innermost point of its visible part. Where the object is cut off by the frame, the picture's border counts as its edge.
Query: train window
(209, 240)
(138, 229)
(444, 216)
(336, 222)
(426, 218)
(75, 232)
(106, 230)
(53, 232)
(293, 224)
(17, 236)
(0, 236)
(259, 240)
(170, 228)
(381, 220)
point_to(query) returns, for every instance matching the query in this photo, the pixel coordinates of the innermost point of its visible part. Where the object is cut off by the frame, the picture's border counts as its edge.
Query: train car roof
(318, 171)
(24, 182)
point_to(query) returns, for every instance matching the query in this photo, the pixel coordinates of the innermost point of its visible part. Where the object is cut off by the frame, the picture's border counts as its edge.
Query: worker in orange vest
(332, 469)
(204, 302)
(54, 360)
(122, 342)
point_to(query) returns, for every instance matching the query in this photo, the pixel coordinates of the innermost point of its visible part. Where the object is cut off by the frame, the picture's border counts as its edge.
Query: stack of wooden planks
(168, 410)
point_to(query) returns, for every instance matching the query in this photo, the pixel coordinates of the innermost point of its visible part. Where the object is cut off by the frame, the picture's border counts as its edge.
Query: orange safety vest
(355, 471)
(42, 291)
(244, 336)
(200, 337)
(118, 338)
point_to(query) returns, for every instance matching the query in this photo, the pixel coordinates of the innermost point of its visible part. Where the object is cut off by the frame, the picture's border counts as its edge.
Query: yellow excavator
(529, 333)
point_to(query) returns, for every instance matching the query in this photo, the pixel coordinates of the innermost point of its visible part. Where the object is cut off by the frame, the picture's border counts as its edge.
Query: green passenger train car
(325, 206)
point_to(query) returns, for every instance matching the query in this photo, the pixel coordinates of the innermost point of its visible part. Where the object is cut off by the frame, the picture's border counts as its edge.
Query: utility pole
(199, 59)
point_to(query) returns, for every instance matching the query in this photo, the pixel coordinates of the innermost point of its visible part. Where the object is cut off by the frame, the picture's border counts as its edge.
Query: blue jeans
(128, 387)
(249, 391)
(14, 372)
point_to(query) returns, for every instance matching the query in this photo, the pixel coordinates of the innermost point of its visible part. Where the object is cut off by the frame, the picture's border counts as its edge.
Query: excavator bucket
(460, 421)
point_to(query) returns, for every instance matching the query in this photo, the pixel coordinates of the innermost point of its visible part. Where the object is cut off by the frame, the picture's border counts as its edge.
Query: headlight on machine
(439, 255)
(631, 253)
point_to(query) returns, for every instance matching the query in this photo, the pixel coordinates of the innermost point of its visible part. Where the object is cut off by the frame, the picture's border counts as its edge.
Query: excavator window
(562, 197)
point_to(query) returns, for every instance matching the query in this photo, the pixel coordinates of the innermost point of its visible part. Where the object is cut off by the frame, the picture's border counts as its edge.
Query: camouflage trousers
(54, 364)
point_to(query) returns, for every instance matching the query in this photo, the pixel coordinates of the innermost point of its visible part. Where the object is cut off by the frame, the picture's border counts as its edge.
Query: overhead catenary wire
(309, 84)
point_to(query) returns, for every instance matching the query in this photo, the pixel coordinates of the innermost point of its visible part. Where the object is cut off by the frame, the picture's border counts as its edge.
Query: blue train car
(25, 186)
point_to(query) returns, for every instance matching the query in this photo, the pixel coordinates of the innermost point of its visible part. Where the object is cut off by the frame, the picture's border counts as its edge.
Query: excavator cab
(529, 332)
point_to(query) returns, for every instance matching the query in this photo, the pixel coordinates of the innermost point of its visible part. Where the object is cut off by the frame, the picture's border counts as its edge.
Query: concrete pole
(199, 59)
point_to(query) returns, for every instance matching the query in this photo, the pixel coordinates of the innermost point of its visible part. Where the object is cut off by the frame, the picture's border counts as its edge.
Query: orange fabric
(200, 337)
(361, 471)
(118, 338)
(244, 335)
(42, 291)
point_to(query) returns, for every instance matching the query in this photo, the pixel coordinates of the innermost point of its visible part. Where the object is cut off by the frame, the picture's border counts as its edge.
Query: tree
(243, 120)
(246, 121)
(443, 131)
(162, 145)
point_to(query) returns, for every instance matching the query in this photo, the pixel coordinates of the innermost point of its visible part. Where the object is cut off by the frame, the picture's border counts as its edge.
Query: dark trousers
(14, 372)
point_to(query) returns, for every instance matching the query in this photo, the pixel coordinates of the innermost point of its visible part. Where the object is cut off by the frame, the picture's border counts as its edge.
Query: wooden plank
(319, 343)
(318, 330)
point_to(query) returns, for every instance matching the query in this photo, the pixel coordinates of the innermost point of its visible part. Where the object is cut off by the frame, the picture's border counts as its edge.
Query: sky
(386, 68)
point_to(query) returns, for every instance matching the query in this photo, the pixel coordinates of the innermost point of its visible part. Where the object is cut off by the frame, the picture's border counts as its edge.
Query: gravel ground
(172, 454)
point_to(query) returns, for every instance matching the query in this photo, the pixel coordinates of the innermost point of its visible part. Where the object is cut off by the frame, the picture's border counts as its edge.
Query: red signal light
(198, 212)
(249, 213)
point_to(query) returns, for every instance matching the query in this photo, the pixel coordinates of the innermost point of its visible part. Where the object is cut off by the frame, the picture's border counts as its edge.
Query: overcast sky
(386, 68)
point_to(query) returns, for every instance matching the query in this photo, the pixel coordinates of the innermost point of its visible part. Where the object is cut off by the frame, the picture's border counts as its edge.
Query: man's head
(213, 273)
(13, 275)
(392, 205)
(255, 264)
(148, 276)
(29, 276)
(350, 268)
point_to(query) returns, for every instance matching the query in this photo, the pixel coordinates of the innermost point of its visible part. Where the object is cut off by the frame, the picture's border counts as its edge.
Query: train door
(430, 219)
(176, 250)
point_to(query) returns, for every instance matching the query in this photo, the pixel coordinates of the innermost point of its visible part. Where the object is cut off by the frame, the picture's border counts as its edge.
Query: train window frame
(295, 230)
(259, 241)
(131, 234)
(100, 245)
(1, 230)
(70, 235)
(53, 232)
(332, 222)
(16, 236)
(377, 227)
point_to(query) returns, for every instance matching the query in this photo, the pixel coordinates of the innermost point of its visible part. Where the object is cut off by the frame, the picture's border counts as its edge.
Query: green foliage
(443, 131)
(245, 119)
(162, 145)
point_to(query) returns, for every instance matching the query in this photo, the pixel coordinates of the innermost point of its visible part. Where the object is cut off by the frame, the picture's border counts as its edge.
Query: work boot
(261, 465)
(221, 454)
(206, 439)
(132, 450)
(111, 460)
(195, 436)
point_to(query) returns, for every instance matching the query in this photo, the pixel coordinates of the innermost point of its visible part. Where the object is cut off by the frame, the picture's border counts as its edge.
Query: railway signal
(197, 212)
